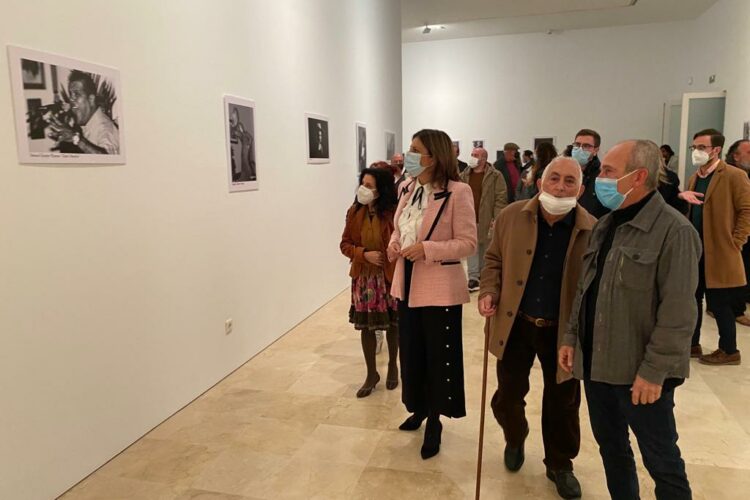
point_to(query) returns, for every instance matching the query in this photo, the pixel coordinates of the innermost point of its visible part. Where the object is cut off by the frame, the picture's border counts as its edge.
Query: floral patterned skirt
(372, 308)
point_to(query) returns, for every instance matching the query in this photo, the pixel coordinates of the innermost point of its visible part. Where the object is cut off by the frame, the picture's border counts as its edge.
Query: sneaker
(743, 320)
(719, 357)
(473, 285)
(379, 341)
(696, 351)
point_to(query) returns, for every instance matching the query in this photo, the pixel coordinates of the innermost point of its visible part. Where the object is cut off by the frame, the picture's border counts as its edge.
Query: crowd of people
(597, 267)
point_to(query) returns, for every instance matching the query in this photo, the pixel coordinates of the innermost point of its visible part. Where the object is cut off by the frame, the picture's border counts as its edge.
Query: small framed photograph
(542, 139)
(746, 131)
(477, 143)
(239, 123)
(33, 75)
(361, 131)
(390, 145)
(316, 127)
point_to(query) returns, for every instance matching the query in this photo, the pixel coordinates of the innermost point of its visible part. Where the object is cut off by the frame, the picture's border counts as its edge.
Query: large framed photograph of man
(361, 135)
(390, 145)
(317, 138)
(239, 123)
(67, 111)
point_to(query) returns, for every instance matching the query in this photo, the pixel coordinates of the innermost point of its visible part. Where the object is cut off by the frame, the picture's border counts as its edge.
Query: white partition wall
(116, 281)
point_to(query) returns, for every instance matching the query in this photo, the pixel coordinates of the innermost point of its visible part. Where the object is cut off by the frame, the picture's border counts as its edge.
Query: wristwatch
(76, 139)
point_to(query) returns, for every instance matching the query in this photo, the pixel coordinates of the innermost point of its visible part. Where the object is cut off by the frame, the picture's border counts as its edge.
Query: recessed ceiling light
(428, 28)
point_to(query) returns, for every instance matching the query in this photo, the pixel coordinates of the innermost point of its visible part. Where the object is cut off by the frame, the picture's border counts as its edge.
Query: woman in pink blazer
(435, 227)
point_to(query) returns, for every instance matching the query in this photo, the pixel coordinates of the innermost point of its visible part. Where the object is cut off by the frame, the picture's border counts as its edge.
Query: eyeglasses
(699, 147)
(584, 146)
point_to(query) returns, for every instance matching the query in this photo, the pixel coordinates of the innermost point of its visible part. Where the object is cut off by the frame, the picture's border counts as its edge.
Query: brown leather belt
(538, 322)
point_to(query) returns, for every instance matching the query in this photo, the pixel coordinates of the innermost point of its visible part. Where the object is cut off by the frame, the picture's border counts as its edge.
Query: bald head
(563, 165)
(481, 155)
(563, 178)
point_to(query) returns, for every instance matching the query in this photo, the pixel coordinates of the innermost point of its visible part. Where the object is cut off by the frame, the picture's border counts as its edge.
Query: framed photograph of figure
(361, 131)
(239, 124)
(390, 145)
(317, 138)
(542, 139)
(746, 131)
(477, 143)
(67, 111)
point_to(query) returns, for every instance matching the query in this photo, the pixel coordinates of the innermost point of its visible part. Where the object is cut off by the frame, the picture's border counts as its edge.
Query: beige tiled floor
(287, 425)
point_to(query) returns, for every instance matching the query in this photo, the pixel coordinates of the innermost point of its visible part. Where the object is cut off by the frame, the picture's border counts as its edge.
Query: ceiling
(472, 18)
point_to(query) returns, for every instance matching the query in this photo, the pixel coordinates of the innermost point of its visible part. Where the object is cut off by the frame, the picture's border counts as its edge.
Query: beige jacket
(494, 199)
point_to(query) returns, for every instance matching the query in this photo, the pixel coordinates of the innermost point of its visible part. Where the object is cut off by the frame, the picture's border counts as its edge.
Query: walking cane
(484, 406)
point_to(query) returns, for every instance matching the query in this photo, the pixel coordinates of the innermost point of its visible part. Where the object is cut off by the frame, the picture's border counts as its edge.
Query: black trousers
(431, 356)
(611, 413)
(721, 302)
(561, 431)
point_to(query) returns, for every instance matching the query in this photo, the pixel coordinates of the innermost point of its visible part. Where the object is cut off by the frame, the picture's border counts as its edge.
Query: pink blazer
(440, 279)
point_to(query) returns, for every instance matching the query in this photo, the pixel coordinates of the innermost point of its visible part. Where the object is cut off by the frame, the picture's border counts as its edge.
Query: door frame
(686, 98)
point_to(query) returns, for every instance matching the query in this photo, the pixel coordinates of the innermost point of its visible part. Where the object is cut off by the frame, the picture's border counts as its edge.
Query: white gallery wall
(615, 80)
(115, 282)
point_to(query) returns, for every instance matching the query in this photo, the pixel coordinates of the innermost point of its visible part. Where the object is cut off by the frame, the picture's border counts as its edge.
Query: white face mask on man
(473, 162)
(557, 206)
(700, 158)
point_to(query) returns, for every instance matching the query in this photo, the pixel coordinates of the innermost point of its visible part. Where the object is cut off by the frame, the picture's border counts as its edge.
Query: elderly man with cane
(527, 289)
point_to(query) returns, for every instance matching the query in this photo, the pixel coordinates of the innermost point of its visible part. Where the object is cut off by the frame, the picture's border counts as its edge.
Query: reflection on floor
(287, 425)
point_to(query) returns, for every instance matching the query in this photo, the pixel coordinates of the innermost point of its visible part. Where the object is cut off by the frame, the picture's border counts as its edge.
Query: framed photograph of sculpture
(477, 143)
(239, 123)
(67, 111)
(390, 145)
(361, 131)
(317, 138)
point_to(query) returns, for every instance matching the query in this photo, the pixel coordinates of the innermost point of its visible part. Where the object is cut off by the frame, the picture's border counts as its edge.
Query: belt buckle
(540, 323)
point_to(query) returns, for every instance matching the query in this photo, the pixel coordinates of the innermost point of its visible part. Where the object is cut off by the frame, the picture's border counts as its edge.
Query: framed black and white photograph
(361, 134)
(477, 143)
(390, 145)
(746, 131)
(67, 111)
(239, 123)
(543, 139)
(317, 138)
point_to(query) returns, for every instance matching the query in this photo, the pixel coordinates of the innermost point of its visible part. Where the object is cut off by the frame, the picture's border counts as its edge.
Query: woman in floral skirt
(369, 224)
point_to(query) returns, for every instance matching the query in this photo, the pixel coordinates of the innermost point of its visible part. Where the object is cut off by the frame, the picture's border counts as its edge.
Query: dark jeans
(561, 430)
(721, 302)
(611, 413)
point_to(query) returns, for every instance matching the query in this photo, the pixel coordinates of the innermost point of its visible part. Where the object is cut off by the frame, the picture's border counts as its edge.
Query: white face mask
(365, 195)
(557, 206)
(700, 158)
(473, 162)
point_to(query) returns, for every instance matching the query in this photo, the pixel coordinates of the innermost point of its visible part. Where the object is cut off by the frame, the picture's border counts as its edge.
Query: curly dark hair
(387, 199)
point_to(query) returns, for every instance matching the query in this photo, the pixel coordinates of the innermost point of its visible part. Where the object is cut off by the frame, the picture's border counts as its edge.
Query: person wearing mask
(367, 233)
(462, 165)
(738, 155)
(719, 197)
(527, 188)
(435, 227)
(585, 150)
(527, 290)
(632, 318)
(670, 159)
(397, 167)
(509, 164)
(490, 197)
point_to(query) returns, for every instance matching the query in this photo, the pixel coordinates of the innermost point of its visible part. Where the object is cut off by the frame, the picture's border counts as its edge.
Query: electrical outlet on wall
(228, 324)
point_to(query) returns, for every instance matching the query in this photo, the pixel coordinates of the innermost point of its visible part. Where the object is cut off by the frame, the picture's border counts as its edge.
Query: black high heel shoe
(412, 423)
(365, 391)
(432, 436)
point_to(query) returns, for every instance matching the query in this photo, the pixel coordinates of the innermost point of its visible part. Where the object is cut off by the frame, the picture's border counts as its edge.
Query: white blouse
(413, 213)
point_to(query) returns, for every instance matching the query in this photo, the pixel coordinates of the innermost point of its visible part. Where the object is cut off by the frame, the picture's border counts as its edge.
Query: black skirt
(431, 355)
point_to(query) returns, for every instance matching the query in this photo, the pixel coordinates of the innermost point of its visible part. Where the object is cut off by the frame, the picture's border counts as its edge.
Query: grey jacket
(646, 309)
(494, 199)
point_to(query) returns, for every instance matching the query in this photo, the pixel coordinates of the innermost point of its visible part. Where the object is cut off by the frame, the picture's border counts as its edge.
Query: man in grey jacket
(632, 322)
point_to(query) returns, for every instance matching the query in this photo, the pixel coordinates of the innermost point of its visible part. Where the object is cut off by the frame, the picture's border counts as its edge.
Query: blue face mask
(581, 156)
(412, 164)
(607, 193)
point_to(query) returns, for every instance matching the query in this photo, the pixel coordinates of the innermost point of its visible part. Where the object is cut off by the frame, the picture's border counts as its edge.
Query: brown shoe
(743, 320)
(696, 351)
(719, 357)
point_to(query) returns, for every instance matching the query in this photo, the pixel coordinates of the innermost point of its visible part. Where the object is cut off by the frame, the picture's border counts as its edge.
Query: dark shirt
(541, 297)
(696, 211)
(619, 217)
(670, 191)
(588, 199)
